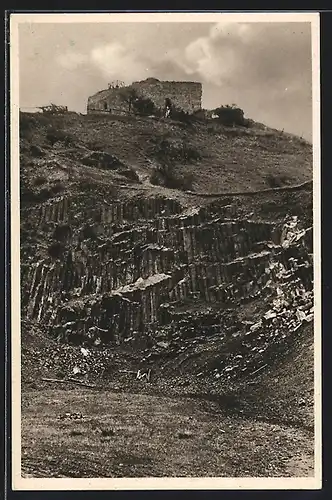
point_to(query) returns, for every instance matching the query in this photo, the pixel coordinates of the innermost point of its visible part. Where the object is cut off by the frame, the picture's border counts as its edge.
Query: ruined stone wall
(184, 95)
(109, 101)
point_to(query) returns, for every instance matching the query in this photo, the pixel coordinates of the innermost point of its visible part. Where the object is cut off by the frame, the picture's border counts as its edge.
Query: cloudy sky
(265, 68)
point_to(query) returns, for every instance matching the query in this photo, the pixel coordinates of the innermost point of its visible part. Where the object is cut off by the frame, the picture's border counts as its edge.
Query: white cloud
(112, 60)
(211, 57)
(245, 54)
(203, 58)
(116, 61)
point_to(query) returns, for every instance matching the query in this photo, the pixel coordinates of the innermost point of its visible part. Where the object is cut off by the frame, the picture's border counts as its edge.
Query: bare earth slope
(165, 332)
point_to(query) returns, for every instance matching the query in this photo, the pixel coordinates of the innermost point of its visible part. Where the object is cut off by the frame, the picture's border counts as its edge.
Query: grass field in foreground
(135, 435)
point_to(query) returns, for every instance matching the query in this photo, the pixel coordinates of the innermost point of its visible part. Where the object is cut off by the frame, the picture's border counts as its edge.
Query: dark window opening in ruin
(105, 106)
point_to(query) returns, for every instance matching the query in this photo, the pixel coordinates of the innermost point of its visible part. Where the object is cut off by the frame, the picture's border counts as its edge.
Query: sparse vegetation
(182, 116)
(58, 187)
(44, 194)
(95, 145)
(231, 115)
(128, 95)
(54, 135)
(26, 126)
(36, 151)
(137, 104)
(54, 109)
(133, 139)
(27, 194)
(166, 175)
(86, 185)
(168, 150)
(39, 180)
(275, 181)
(144, 106)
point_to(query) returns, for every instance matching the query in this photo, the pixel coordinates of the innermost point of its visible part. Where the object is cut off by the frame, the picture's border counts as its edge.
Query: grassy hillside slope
(215, 157)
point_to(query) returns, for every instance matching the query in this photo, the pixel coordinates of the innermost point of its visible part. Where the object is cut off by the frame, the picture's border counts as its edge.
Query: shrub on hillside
(90, 185)
(128, 95)
(165, 175)
(58, 187)
(54, 135)
(27, 194)
(31, 193)
(44, 194)
(95, 146)
(86, 185)
(182, 116)
(39, 180)
(36, 151)
(26, 121)
(167, 150)
(156, 177)
(231, 116)
(130, 174)
(275, 181)
(26, 125)
(143, 106)
(200, 114)
(138, 104)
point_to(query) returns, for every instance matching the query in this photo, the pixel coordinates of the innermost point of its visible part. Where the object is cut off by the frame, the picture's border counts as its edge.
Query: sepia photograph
(165, 196)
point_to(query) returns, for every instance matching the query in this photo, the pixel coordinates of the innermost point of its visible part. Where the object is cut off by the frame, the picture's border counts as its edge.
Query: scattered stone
(75, 432)
(211, 263)
(71, 416)
(185, 435)
(164, 345)
(107, 432)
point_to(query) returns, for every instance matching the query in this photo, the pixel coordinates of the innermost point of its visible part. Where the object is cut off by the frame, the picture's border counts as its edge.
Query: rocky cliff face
(152, 269)
(114, 263)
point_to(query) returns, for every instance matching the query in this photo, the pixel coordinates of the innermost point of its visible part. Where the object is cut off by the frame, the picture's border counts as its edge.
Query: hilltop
(205, 156)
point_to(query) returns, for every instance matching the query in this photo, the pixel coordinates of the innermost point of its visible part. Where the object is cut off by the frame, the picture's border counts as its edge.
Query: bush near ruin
(231, 115)
(139, 105)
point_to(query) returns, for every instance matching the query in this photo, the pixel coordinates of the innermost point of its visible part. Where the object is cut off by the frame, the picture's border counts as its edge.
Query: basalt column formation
(108, 271)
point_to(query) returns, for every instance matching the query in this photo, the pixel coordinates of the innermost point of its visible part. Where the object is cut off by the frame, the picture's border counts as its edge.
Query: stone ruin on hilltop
(184, 95)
